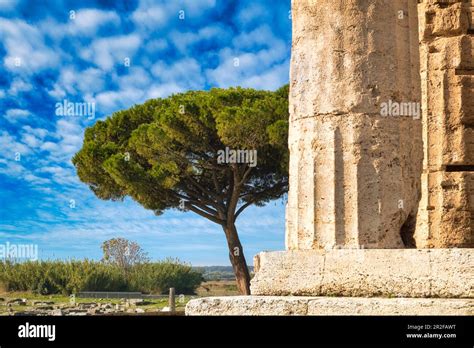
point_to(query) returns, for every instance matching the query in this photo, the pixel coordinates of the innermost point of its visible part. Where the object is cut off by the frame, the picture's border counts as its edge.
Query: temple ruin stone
(354, 172)
(380, 214)
(299, 305)
(446, 213)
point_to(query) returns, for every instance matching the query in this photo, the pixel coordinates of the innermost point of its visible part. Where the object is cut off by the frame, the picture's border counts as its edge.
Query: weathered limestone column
(355, 128)
(446, 215)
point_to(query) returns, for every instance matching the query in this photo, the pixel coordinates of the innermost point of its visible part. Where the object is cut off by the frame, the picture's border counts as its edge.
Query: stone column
(446, 215)
(355, 131)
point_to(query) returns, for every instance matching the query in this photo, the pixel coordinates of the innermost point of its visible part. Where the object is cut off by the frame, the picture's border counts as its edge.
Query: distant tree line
(218, 272)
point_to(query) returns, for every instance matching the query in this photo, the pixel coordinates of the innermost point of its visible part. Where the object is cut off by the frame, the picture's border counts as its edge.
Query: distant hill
(218, 272)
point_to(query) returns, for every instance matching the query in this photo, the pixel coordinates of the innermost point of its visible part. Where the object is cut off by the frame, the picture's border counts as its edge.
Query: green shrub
(66, 277)
(160, 276)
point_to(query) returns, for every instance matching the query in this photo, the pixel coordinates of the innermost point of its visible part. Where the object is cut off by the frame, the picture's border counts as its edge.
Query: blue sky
(77, 51)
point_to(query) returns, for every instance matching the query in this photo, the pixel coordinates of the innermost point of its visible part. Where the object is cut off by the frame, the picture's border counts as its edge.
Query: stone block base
(294, 305)
(422, 273)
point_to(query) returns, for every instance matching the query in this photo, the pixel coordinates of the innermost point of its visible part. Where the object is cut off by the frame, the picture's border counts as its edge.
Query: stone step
(299, 305)
(445, 273)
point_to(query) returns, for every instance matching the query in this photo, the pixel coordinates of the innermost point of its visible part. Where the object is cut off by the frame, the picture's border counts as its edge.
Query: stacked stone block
(446, 213)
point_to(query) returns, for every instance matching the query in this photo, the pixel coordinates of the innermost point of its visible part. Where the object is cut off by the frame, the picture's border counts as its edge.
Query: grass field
(217, 288)
(209, 288)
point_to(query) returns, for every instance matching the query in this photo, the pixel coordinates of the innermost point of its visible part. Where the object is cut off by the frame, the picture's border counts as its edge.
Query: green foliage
(156, 277)
(66, 277)
(166, 149)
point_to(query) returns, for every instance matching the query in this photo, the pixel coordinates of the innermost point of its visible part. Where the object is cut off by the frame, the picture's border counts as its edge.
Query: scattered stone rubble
(51, 308)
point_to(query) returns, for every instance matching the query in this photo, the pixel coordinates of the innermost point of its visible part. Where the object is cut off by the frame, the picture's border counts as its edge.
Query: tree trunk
(237, 259)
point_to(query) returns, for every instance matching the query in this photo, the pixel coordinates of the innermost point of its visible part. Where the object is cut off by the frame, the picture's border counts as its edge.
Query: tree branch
(243, 207)
(204, 207)
(234, 198)
(216, 182)
(245, 176)
(206, 215)
(200, 187)
(230, 179)
(202, 199)
(255, 197)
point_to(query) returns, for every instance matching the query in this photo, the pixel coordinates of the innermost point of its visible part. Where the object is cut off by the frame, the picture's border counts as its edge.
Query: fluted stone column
(354, 170)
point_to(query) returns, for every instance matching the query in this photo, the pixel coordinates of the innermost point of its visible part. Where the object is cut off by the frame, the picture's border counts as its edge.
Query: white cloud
(196, 8)
(251, 12)
(136, 77)
(57, 92)
(11, 168)
(7, 5)
(60, 175)
(107, 52)
(110, 101)
(30, 140)
(31, 167)
(183, 40)
(38, 132)
(17, 86)
(164, 90)
(149, 17)
(262, 35)
(62, 143)
(72, 82)
(256, 59)
(137, 85)
(15, 115)
(35, 180)
(67, 80)
(186, 72)
(33, 137)
(157, 45)
(25, 46)
(91, 84)
(273, 78)
(257, 70)
(70, 135)
(91, 80)
(49, 146)
(10, 146)
(88, 21)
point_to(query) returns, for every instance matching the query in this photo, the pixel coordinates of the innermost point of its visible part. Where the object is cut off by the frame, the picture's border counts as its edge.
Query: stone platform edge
(411, 273)
(320, 306)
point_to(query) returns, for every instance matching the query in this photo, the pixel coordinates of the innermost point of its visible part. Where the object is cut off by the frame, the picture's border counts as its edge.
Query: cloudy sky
(116, 54)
